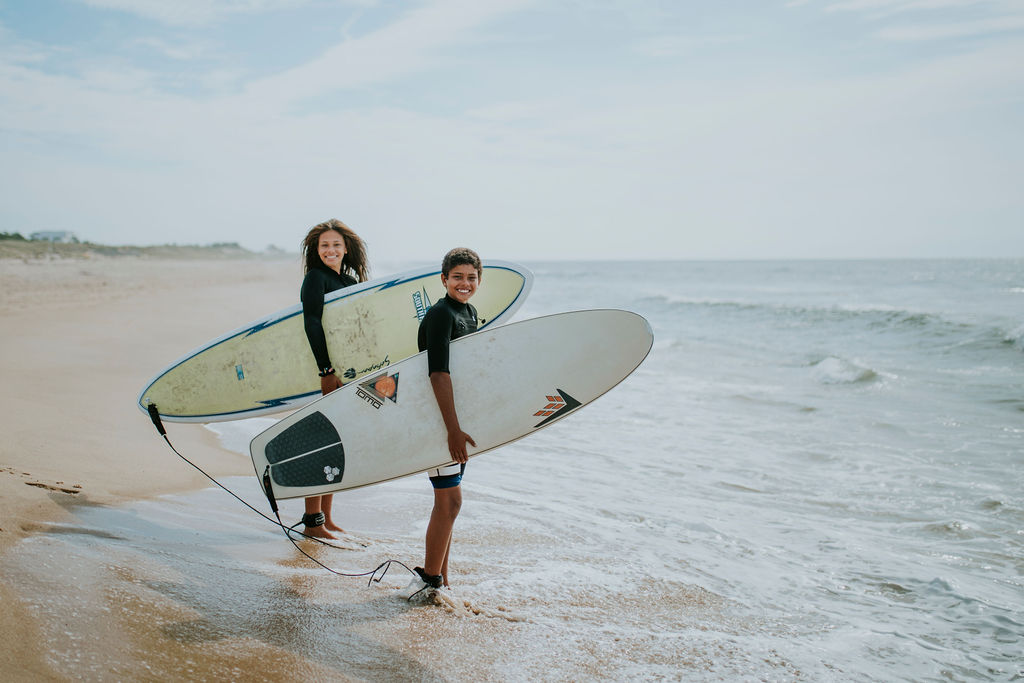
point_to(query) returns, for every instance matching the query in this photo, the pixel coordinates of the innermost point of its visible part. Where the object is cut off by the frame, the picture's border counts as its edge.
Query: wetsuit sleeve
(435, 336)
(312, 296)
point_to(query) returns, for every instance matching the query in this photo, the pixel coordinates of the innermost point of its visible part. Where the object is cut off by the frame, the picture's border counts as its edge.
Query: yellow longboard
(267, 366)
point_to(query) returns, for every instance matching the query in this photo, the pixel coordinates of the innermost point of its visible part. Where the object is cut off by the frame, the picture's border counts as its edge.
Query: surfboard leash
(154, 415)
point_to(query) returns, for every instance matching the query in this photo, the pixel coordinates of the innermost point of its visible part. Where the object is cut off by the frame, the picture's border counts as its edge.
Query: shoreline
(81, 337)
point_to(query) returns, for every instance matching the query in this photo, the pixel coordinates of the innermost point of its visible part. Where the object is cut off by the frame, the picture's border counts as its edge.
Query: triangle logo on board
(378, 389)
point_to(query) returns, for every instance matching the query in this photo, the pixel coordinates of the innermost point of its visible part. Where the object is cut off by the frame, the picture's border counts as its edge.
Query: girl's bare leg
(313, 506)
(326, 502)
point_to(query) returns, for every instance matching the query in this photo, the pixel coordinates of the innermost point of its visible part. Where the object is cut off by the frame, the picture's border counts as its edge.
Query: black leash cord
(155, 417)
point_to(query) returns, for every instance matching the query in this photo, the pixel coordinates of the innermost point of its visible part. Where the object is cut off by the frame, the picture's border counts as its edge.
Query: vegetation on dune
(13, 245)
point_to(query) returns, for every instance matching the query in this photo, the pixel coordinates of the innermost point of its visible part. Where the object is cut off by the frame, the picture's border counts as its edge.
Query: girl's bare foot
(333, 527)
(318, 531)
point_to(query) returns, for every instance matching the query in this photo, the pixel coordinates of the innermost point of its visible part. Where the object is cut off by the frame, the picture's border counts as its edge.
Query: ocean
(816, 475)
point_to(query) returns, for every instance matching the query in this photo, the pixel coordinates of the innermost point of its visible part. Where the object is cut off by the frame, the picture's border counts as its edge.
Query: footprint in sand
(76, 489)
(59, 486)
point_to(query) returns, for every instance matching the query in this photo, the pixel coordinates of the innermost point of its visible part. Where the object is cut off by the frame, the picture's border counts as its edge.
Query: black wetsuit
(318, 282)
(445, 321)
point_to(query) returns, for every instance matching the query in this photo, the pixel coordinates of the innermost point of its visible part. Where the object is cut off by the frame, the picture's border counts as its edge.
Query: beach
(79, 337)
(814, 476)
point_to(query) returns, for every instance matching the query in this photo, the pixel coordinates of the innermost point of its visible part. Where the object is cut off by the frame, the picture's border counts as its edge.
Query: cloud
(184, 51)
(960, 29)
(194, 12)
(884, 7)
(680, 45)
(670, 162)
(415, 43)
(14, 50)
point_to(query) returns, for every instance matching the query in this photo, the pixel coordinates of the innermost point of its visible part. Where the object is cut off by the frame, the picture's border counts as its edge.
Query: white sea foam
(1016, 337)
(235, 436)
(834, 370)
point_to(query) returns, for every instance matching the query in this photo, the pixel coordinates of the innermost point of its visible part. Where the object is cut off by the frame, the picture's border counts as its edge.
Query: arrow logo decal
(556, 407)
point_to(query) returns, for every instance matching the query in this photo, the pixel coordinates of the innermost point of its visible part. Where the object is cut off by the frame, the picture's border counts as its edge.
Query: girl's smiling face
(331, 248)
(461, 282)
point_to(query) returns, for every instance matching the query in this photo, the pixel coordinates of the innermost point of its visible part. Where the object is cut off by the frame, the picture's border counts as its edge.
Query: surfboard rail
(510, 382)
(266, 367)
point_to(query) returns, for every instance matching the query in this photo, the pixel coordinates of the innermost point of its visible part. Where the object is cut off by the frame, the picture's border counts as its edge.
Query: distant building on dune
(54, 236)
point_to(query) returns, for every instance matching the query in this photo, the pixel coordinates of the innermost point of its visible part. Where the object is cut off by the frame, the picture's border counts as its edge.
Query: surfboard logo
(376, 390)
(556, 407)
(421, 302)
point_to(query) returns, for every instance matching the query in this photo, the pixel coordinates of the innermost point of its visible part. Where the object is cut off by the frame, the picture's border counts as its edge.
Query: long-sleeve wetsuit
(318, 282)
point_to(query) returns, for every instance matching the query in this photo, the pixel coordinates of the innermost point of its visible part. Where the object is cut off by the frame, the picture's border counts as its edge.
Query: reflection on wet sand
(150, 591)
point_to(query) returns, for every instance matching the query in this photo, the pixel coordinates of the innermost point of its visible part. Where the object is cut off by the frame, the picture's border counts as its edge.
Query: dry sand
(80, 337)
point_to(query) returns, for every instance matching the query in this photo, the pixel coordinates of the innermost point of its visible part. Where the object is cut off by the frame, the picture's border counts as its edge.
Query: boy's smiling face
(461, 282)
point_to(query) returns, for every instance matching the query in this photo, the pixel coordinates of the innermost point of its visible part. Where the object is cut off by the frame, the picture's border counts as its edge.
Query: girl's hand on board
(329, 383)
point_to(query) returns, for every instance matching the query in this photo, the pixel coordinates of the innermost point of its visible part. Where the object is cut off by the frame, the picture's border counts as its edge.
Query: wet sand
(80, 338)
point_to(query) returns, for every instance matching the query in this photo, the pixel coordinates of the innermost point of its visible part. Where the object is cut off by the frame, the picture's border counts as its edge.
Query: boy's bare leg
(447, 503)
(444, 565)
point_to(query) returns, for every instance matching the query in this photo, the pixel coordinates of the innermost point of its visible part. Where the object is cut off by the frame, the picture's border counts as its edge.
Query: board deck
(267, 367)
(509, 382)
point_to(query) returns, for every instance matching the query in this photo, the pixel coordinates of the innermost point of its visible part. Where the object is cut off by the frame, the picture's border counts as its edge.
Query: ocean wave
(1002, 508)
(927, 327)
(952, 529)
(872, 315)
(1015, 338)
(833, 370)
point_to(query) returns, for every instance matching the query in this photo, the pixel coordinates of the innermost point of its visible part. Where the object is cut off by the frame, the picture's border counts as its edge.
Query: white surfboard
(267, 366)
(509, 382)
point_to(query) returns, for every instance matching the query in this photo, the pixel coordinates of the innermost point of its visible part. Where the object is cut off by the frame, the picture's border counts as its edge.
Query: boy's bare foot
(333, 527)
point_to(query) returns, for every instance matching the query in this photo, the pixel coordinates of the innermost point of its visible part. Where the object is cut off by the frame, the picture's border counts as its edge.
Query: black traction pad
(309, 453)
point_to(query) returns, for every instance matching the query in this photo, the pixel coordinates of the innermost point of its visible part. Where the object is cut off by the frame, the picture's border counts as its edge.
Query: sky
(526, 129)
